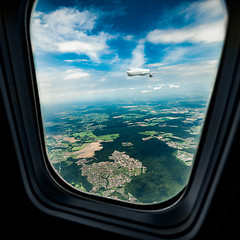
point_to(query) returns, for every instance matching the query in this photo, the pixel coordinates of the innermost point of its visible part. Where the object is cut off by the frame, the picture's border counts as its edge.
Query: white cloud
(173, 55)
(105, 90)
(128, 37)
(179, 76)
(157, 88)
(145, 91)
(115, 59)
(189, 69)
(208, 10)
(66, 20)
(67, 30)
(157, 64)
(173, 86)
(206, 24)
(138, 59)
(206, 33)
(103, 79)
(76, 74)
(93, 47)
(59, 84)
(76, 60)
(80, 46)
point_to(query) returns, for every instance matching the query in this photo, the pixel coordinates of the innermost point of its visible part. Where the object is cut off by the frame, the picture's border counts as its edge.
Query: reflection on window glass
(124, 88)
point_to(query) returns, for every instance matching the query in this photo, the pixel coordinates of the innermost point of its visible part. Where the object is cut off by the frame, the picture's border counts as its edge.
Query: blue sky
(82, 49)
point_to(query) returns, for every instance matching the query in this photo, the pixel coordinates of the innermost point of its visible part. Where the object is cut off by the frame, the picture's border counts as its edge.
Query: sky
(82, 49)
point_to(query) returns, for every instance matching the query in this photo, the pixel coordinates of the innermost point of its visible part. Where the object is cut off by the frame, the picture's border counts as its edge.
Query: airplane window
(124, 88)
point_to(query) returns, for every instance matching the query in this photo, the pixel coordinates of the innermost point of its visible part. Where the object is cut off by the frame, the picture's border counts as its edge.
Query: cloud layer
(68, 30)
(207, 33)
(84, 52)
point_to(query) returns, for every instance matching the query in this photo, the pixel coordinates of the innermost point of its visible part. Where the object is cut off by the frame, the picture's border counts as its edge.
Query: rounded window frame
(51, 195)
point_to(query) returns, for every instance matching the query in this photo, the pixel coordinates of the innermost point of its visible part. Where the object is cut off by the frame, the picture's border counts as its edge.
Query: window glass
(124, 88)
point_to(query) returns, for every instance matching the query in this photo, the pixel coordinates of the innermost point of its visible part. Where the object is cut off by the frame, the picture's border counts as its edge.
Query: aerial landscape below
(139, 152)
